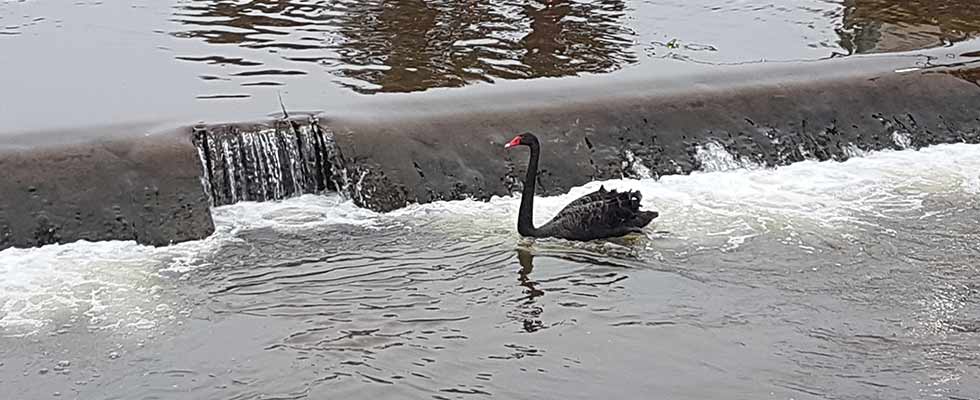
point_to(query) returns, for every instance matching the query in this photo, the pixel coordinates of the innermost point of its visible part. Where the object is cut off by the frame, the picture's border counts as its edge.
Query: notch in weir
(265, 161)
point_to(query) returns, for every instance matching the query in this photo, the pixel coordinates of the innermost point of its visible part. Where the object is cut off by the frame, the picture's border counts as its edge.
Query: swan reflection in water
(603, 264)
(526, 260)
(528, 311)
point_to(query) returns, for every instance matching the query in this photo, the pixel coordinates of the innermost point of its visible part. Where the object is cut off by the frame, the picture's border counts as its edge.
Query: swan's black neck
(525, 217)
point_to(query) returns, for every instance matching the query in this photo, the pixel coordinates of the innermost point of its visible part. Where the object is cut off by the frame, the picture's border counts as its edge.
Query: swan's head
(524, 139)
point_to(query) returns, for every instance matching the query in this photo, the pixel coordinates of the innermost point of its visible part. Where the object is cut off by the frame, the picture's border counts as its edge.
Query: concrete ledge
(445, 149)
(120, 183)
(156, 185)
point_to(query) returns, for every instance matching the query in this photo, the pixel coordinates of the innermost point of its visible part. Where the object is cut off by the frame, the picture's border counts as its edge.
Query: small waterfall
(902, 139)
(633, 167)
(261, 162)
(853, 151)
(713, 157)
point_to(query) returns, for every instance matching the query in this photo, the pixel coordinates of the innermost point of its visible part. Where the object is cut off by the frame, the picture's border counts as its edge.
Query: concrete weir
(452, 148)
(156, 185)
(111, 183)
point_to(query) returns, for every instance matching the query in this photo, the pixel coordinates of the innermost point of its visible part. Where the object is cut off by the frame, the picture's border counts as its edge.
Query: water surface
(94, 62)
(816, 280)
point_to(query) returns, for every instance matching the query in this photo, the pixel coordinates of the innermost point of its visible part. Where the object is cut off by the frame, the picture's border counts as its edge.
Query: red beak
(516, 141)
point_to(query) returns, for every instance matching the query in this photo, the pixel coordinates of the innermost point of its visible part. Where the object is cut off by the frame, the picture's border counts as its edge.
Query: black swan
(597, 215)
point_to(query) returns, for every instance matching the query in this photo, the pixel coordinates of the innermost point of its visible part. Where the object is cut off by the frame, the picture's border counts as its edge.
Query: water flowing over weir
(451, 149)
(261, 162)
(426, 150)
(155, 184)
(284, 158)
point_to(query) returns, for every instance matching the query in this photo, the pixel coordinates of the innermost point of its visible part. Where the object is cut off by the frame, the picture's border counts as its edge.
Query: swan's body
(597, 215)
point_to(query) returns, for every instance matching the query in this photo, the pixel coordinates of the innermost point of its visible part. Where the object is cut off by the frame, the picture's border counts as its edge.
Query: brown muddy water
(93, 62)
(827, 280)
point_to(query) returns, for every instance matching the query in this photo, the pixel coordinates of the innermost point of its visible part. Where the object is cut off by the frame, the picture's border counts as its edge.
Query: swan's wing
(604, 201)
(596, 196)
(599, 214)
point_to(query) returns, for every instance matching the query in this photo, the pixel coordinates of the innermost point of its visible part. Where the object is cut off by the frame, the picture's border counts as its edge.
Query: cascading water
(265, 162)
(290, 157)
(284, 158)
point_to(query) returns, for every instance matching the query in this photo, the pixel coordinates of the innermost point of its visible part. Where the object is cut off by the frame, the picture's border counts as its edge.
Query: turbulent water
(816, 280)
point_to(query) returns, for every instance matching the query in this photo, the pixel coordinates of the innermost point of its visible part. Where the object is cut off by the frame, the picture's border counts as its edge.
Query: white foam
(292, 214)
(116, 285)
(972, 185)
(90, 280)
(738, 202)
(853, 151)
(902, 139)
(714, 158)
(634, 166)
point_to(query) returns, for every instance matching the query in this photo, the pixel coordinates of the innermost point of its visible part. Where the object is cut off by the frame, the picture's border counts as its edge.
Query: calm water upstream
(817, 280)
(91, 62)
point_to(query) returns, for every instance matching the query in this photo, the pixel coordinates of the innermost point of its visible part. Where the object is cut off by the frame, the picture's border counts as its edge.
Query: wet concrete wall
(113, 183)
(453, 149)
(156, 186)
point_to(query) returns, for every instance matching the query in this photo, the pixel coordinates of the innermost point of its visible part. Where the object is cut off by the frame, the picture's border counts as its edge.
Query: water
(412, 45)
(266, 162)
(219, 60)
(816, 280)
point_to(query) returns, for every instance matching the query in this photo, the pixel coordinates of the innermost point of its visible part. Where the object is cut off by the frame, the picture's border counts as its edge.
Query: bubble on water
(971, 185)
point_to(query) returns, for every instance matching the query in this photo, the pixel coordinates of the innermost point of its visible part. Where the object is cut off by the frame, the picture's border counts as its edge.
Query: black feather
(597, 215)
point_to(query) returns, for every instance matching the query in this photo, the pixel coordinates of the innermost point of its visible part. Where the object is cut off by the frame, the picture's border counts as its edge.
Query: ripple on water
(827, 279)
(375, 46)
(372, 310)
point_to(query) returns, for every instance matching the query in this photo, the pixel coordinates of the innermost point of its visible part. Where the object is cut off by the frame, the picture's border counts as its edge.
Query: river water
(832, 280)
(853, 279)
(94, 62)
